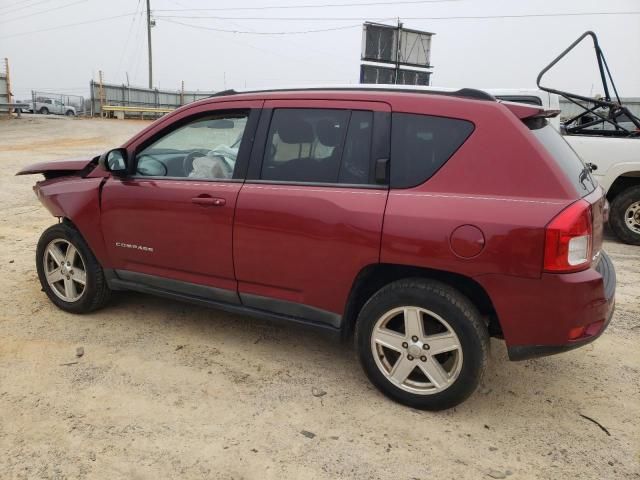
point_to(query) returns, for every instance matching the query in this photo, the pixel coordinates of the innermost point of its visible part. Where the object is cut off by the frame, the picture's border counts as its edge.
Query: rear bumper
(526, 352)
(556, 313)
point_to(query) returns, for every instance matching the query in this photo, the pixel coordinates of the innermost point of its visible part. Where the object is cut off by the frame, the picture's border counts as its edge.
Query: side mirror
(115, 161)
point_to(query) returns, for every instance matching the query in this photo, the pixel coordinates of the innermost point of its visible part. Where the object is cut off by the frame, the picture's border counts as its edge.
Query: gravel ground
(167, 390)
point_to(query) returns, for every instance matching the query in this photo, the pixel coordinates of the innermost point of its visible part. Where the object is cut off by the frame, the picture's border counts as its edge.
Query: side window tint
(421, 144)
(204, 149)
(305, 145)
(356, 165)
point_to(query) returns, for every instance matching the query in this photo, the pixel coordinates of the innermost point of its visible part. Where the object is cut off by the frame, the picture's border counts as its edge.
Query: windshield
(568, 160)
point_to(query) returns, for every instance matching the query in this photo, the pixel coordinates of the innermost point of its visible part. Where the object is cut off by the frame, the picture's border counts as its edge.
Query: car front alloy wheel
(65, 270)
(69, 273)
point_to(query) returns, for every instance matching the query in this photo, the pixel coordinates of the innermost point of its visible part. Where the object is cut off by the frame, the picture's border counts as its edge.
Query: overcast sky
(505, 52)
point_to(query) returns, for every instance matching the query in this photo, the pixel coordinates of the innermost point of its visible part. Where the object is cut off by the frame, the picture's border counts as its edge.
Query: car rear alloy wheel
(65, 270)
(422, 343)
(416, 350)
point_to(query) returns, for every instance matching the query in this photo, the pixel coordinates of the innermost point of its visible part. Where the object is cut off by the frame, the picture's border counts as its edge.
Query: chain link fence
(57, 103)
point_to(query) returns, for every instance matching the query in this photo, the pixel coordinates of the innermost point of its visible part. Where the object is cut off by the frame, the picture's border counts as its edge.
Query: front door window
(203, 149)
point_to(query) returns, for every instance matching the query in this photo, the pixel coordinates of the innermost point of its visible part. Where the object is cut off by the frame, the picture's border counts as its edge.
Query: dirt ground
(168, 390)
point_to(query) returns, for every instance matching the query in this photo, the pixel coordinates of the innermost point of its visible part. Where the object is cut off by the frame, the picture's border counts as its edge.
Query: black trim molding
(291, 309)
(227, 300)
(177, 286)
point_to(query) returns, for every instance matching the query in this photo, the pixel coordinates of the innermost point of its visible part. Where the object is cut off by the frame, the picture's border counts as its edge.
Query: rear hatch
(576, 171)
(578, 174)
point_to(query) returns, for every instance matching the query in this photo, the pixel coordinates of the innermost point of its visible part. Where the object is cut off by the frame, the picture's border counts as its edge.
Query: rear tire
(624, 217)
(44, 111)
(69, 273)
(433, 365)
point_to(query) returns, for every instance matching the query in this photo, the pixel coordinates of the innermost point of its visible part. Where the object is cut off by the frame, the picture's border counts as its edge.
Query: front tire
(69, 273)
(422, 344)
(69, 113)
(624, 217)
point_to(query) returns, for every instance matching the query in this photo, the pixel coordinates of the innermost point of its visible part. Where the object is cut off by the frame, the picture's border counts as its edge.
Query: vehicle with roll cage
(419, 221)
(605, 134)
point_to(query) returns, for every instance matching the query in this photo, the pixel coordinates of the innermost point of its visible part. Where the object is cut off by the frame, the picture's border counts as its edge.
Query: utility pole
(398, 50)
(8, 82)
(100, 93)
(149, 43)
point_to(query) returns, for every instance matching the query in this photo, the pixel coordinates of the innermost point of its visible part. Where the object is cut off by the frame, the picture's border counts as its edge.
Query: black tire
(446, 302)
(95, 293)
(617, 220)
(44, 111)
(69, 113)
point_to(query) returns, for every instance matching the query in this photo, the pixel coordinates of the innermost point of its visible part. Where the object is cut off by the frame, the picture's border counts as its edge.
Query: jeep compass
(419, 222)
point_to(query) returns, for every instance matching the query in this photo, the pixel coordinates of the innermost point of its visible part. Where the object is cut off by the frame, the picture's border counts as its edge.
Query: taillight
(569, 239)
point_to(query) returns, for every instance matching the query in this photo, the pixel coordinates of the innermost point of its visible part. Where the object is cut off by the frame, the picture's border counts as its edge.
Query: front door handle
(209, 201)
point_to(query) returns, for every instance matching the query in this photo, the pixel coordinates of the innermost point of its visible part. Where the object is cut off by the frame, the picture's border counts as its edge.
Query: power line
(43, 11)
(25, 6)
(139, 45)
(68, 25)
(14, 4)
(277, 53)
(9, 5)
(336, 19)
(126, 43)
(359, 25)
(273, 7)
(252, 32)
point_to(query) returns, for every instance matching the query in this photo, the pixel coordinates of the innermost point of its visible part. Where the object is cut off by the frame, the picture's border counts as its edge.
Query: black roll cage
(614, 111)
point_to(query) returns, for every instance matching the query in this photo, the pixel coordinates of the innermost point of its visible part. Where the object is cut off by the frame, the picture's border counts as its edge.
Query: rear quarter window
(566, 158)
(421, 144)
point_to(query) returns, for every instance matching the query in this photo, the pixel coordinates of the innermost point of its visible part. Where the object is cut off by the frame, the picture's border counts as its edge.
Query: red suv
(423, 221)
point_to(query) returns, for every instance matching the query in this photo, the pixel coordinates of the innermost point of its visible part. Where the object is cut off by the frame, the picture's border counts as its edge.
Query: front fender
(78, 200)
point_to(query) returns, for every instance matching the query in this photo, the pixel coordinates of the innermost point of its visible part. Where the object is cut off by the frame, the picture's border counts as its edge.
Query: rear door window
(421, 144)
(356, 166)
(318, 146)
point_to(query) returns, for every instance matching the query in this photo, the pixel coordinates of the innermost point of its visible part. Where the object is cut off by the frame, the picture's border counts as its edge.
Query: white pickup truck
(46, 106)
(615, 161)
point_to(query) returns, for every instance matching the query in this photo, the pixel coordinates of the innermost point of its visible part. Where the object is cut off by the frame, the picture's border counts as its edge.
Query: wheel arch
(622, 182)
(375, 276)
(76, 202)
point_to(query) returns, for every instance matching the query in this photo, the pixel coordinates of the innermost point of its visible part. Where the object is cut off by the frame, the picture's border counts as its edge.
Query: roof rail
(224, 93)
(462, 92)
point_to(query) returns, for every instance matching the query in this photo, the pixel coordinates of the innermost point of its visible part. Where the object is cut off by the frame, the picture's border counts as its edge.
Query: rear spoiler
(526, 111)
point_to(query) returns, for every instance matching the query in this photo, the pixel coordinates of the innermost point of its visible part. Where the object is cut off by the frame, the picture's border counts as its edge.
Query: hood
(57, 167)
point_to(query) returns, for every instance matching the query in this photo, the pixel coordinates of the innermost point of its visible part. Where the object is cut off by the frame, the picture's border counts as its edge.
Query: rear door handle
(209, 201)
